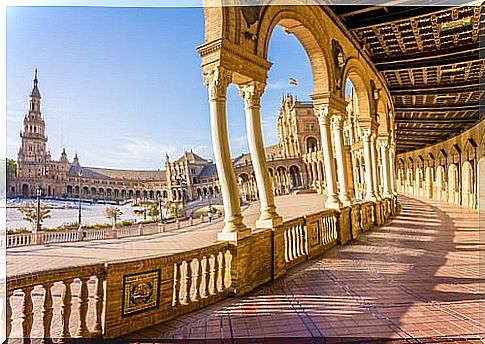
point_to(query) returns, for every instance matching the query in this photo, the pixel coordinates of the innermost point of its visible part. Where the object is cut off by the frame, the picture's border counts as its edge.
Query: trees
(112, 213)
(29, 212)
(10, 168)
(153, 210)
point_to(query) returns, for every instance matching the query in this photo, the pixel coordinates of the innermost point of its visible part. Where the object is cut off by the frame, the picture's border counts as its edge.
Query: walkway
(417, 277)
(40, 258)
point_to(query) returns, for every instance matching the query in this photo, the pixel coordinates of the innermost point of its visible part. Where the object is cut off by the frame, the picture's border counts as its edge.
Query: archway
(25, 190)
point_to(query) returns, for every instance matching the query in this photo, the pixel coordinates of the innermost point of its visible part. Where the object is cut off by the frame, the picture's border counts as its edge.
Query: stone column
(251, 94)
(369, 179)
(375, 170)
(428, 182)
(217, 80)
(392, 168)
(318, 175)
(324, 122)
(341, 160)
(385, 168)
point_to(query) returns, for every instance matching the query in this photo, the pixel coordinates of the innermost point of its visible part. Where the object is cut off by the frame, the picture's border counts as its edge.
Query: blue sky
(122, 86)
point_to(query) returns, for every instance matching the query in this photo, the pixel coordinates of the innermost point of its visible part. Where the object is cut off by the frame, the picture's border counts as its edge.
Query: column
(369, 179)
(341, 160)
(428, 182)
(392, 168)
(324, 122)
(375, 171)
(251, 94)
(385, 168)
(217, 80)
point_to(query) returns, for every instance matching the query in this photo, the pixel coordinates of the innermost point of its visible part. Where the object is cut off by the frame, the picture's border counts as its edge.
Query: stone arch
(311, 144)
(355, 72)
(313, 39)
(468, 182)
(453, 187)
(25, 190)
(441, 183)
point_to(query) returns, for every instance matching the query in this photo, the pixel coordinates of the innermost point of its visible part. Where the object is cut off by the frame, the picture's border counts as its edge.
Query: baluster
(66, 308)
(298, 240)
(27, 314)
(305, 239)
(176, 285)
(98, 303)
(47, 312)
(290, 244)
(205, 277)
(194, 279)
(220, 272)
(184, 278)
(82, 308)
(294, 242)
(212, 279)
(9, 313)
(285, 239)
(227, 271)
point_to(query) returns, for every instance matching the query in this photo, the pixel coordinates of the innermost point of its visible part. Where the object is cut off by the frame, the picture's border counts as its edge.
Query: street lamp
(160, 207)
(38, 194)
(79, 195)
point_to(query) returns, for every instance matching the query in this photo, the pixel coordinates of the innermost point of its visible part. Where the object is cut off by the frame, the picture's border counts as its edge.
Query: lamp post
(160, 207)
(79, 204)
(38, 194)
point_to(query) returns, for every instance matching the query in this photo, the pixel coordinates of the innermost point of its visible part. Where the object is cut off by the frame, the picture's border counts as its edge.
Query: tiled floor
(416, 280)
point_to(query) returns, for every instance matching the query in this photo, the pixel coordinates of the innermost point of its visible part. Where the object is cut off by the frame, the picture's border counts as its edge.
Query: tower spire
(35, 90)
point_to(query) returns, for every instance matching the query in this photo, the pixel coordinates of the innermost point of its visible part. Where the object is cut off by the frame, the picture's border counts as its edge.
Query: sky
(123, 86)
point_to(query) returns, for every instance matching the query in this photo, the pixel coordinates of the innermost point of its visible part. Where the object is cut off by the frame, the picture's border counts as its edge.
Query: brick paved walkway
(417, 277)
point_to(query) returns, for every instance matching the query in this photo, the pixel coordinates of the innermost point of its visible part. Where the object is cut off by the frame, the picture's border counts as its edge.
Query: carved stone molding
(251, 93)
(217, 79)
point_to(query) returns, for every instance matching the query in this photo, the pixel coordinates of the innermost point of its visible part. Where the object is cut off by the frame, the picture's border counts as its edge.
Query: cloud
(277, 85)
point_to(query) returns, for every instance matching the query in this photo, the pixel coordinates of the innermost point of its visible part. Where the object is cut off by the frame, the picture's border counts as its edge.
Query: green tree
(112, 213)
(29, 212)
(11, 168)
(153, 210)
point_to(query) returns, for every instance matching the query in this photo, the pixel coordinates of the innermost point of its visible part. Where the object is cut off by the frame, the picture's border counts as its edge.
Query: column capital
(383, 142)
(337, 120)
(251, 93)
(367, 133)
(323, 115)
(217, 79)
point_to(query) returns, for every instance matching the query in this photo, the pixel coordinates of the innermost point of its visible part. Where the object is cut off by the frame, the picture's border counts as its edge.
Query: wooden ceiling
(431, 60)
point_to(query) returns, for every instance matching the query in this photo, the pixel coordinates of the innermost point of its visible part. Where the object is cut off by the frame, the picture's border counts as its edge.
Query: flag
(293, 82)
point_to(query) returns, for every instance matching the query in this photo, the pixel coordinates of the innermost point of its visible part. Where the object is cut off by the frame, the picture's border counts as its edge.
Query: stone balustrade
(40, 238)
(46, 299)
(112, 299)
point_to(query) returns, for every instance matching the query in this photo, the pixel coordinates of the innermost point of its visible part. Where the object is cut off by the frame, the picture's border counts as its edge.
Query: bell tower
(33, 152)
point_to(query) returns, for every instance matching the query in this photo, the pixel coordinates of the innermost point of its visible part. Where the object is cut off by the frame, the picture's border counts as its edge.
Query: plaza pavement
(416, 279)
(45, 257)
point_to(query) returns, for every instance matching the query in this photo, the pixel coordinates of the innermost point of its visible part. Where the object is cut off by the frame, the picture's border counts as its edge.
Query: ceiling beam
(436, 89)
(438, 108)
(360, 11)
(416, 134)
(436, 121)
(438, 58)
(431, 130)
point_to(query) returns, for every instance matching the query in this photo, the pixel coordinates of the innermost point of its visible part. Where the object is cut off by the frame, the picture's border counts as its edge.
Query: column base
(269, 223)
(234, 236)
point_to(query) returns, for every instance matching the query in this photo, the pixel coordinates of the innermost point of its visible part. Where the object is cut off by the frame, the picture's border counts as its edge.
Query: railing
(94, 234)
(200, 275)
(61, 236)
(125, 232)
(16, 240)
(56, 304)
(26, 239)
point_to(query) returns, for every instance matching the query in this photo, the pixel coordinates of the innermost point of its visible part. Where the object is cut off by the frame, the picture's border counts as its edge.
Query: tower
(32, 154)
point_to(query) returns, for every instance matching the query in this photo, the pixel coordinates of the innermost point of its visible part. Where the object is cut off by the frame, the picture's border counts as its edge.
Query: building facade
(188, 178)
